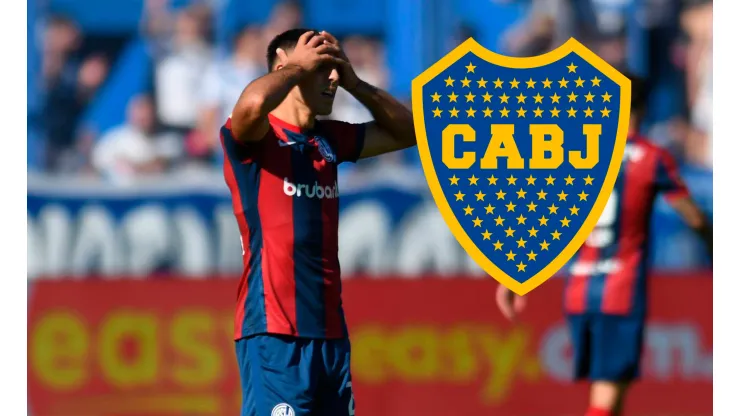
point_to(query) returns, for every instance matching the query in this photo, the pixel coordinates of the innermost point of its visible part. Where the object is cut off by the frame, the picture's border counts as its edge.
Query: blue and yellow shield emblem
(521, 154)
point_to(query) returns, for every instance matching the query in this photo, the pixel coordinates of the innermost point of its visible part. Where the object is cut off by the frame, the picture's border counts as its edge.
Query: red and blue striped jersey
(286, 202)
(609, 272)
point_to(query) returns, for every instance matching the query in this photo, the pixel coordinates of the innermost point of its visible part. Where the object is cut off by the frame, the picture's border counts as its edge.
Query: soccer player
(281, 163)
(605, 295)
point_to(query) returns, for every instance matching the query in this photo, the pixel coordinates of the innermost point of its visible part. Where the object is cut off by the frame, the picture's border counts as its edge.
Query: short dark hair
(285, 41)
(639, 93)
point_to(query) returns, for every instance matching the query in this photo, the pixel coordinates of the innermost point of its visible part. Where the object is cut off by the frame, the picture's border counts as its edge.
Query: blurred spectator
(696, 22)
(549, 23)
(223, 84)
(132, 149)
(179, 71)
(285, 15)
(66, 99)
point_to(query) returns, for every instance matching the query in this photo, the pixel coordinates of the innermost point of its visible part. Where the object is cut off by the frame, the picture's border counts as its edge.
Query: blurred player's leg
(336, 397)
(606, 398)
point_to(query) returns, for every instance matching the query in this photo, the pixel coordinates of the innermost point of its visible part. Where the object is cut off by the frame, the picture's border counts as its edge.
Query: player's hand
(509, 303)
(310, 52)
(348, 79)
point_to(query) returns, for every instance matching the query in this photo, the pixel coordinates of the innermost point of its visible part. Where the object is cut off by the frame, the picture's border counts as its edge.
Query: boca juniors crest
(521, 154)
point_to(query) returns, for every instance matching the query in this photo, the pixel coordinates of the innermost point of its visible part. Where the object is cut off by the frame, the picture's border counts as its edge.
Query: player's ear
(282, 58)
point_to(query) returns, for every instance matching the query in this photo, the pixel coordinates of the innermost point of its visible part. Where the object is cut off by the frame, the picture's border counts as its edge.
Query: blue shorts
(287, 376)
(606, 347)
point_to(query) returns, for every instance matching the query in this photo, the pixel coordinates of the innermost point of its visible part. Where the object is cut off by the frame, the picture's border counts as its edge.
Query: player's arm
(677, 195)
(249, 118)
(393, 125)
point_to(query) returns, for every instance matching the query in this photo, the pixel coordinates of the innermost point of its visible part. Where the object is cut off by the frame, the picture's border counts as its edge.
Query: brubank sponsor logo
(310, 191)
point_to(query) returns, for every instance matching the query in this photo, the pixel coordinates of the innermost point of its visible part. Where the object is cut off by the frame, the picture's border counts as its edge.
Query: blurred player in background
(606, 292)
(281, 163)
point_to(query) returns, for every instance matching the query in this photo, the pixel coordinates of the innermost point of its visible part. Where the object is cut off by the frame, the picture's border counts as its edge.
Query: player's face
(319, 89)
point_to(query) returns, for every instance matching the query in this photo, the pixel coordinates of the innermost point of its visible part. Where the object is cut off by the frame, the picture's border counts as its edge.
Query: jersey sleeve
(667, 179)
(237, 151)
(347, 139)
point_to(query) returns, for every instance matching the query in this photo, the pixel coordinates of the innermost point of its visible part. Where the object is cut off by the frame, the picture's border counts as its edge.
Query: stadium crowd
(174, 124)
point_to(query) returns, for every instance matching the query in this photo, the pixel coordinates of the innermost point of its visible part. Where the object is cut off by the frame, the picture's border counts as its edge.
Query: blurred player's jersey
(286, 201)
(608, 274)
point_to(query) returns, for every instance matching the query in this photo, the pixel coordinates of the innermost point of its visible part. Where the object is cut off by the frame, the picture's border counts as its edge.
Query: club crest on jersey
(521, 154)
(325, 149)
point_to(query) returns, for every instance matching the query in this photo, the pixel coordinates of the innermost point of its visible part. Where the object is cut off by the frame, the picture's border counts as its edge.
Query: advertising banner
(430, 346)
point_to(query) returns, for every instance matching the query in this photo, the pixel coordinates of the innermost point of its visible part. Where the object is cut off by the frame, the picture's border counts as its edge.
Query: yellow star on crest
(574, 210)
(473, 180)
(546, 83)
(544, 245)
(500, 194)
(531, 83)
(541, 194)
(487, 112)
(453, 180)
(480, 195)
(579, 82)
(521, 242)
(572, 112)
(521, 112)
(538, 98)
(582, 196)
(469, 97)
(482, 83)
(492, 180)
(531, 206)
(504, 112)
(437, 112)
(565, 222)
(595, 82)
(499, 221)
(521, 98)
(589, 180)
(487, 235)
(563, 83)
(498, 83)
(571, 67)
(555, 235)
(520, 267)
(521, 193)
(453, 112)
(471, 112)
(606, 97)
(589, 112)
(468, 210)
(554, 112)
(589, 97)
(465, 82)
(569, 180)
(532, 255)
(510, 255)
(471, 67)
(459, 196)
(514, 83)
(498, 244)
(605, 112)
(555, 98)
(543, 221)
(511, 179)
(489, 209)
(504, 98)
(449, 81)
(453, 97)
(530, 180)
(572, 97)
(553, 209)
(509, 232)
(533, 232)
(562, 195)
(510, 207)
(538, 112)
(521, 219)
(435, 97)
(487, 97)
(550, 180)
(477, 222)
